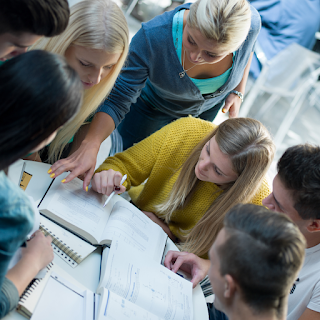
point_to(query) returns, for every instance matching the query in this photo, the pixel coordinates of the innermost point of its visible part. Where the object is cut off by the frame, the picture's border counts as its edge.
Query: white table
(88, 271)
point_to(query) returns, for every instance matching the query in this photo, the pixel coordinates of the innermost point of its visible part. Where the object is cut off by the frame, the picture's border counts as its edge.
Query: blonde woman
(95, 44)
(196, 172)
(189, 61)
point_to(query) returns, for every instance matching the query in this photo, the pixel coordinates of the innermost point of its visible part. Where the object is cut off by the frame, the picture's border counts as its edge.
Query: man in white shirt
(296, 193)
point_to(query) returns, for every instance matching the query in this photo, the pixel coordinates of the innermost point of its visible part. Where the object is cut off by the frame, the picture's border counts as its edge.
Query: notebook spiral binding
(27, 293)
(62, 249)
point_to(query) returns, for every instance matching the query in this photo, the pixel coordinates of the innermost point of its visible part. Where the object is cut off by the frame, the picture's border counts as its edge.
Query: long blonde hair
(95, 24)
(225, 21)
(251, 150)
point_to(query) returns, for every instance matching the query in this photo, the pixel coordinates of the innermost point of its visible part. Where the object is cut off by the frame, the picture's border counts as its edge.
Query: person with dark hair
(32, 109)
(254, 261)
(23, 22)
(296, 193)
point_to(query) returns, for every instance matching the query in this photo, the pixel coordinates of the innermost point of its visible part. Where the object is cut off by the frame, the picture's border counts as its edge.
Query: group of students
(64, 96)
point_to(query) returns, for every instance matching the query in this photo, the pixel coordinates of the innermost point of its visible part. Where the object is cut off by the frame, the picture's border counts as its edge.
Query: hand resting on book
(35, 257)
(107, 181)
(188, 262)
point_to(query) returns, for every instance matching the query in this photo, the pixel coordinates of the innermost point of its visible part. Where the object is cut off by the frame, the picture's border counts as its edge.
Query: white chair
(290, 75)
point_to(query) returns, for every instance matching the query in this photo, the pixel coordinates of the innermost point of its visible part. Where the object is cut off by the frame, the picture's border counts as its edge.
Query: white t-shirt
(305, 292)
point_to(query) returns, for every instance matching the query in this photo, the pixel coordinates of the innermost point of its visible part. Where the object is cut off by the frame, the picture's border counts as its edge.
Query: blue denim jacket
(153, 67)
(16, 221)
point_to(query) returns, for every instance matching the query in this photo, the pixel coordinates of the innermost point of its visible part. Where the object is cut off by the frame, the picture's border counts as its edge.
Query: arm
(137, 162)
(310, 315)
(198, 268)
(84, 159)
(233, 102)
(35, 257)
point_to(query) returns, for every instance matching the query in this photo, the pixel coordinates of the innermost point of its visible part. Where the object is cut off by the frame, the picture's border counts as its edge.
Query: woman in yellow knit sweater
(196, 172)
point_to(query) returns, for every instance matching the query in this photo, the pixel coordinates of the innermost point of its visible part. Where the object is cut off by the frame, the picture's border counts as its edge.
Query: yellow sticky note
(26, 177)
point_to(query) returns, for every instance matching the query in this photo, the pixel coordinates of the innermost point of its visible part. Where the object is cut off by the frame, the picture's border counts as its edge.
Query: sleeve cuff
(11, 293)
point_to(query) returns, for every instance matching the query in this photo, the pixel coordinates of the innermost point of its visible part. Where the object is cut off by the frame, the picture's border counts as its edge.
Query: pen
(113, 192)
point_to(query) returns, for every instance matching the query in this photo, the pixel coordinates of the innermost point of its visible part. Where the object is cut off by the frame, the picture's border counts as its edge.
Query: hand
(232, 104)
(35, 257)
(188, 262)
(82, 161)
(107, 181)
(38, 250)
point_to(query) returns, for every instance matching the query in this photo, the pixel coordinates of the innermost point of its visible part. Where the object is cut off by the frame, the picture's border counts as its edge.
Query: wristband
(239, 94)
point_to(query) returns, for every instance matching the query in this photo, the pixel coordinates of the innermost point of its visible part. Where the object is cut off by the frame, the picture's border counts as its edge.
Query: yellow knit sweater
(159, 158)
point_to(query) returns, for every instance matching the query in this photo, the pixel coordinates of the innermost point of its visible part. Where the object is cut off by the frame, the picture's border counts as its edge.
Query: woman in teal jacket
(31, 112)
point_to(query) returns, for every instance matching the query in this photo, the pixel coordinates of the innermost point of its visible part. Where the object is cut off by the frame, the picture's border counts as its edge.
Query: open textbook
(131, 287)
(64, 298)
(145, 283)
(83, 214)
(68, 208)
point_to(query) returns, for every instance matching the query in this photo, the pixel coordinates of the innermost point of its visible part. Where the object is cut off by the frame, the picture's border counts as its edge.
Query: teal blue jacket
(16, 221)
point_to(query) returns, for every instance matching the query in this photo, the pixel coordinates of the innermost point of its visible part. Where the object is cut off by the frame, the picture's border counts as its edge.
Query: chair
(290, 75)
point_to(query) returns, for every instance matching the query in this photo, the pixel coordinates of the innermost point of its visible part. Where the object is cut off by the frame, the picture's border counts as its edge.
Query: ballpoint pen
(113, 192)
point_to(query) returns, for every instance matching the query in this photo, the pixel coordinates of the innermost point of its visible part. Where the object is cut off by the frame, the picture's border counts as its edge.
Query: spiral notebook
(66, 245)
(30, 297)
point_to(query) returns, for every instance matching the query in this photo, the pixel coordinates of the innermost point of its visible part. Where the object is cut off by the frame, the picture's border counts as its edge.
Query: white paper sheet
(134, 228)
(147, 284)
(82, 209)
(113, 307)
(60, 300)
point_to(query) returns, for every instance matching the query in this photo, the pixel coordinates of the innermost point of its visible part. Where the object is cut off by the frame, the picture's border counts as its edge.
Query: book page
(136, 230)
(113, 307)
(83, 210)
(61, 300)
(147, 284)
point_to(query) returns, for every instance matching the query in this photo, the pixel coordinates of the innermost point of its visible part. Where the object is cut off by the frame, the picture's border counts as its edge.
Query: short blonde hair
(225, 21)
(94, 24)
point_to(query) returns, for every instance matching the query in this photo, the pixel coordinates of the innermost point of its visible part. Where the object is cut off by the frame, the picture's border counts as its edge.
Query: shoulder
(262, 192)
(162, 23)
(255, 20)
(191, 127)
(184, 133)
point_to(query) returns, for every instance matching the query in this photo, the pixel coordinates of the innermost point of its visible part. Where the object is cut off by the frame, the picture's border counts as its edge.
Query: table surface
(87, 273)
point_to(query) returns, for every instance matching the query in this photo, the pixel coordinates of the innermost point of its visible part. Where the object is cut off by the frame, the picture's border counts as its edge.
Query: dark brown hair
(39, 93)
(41, 17)
(263, 252)
(299, 171)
